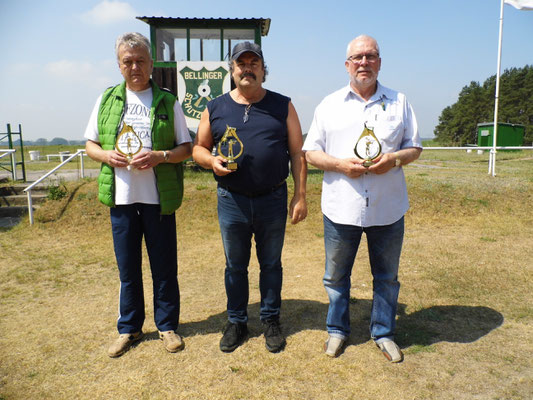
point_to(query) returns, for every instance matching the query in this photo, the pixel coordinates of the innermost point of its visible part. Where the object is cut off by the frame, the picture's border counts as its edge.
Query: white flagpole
(492, 157)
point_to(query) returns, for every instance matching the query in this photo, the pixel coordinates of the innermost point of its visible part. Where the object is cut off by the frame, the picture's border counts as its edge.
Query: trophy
(367, 147)
(227, 143)
(128, 143)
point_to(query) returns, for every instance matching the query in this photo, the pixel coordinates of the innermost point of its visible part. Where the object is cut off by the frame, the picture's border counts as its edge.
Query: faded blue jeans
(384, 248)
(241, 217)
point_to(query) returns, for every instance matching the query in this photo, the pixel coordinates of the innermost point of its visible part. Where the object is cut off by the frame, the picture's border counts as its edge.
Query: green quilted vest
(169, 176)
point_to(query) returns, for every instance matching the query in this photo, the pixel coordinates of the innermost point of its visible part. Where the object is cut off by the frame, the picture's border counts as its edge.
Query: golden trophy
(128, 143)
(227, 143)
(367, 147)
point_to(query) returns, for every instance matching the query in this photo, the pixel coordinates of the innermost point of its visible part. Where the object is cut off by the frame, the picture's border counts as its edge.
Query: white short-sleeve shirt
(339, 120)
(138, 186)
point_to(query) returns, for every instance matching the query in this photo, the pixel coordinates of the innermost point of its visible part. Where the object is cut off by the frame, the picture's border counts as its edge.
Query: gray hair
(132, 40)
(359, 38)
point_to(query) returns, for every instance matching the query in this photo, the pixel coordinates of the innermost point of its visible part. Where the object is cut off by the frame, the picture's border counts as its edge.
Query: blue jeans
(384, 248)
(241, 217)
(129, 224)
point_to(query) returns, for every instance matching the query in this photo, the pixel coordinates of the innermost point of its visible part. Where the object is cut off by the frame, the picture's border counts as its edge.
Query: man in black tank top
(252, 192)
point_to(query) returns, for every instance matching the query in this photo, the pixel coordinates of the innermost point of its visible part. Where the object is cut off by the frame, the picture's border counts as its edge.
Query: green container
(508, 134)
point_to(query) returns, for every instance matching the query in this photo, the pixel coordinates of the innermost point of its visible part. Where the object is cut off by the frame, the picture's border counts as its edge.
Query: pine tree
(458, 122)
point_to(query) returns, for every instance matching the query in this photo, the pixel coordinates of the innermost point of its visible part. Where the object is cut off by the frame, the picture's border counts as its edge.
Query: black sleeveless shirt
(264, 162)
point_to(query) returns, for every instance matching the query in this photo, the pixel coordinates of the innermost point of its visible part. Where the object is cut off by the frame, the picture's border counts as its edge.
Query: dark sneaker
(123, 343)
(274, 340)
(233, 336)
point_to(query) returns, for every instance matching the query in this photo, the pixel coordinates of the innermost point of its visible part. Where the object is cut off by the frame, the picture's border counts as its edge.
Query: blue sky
(58, 55)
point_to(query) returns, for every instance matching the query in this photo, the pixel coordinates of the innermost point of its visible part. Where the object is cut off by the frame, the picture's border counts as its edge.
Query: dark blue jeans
(129, 224)
(384, 248)
(241, 217)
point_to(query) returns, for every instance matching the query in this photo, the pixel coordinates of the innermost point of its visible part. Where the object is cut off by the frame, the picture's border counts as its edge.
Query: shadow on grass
(458, 324)
(461, 324)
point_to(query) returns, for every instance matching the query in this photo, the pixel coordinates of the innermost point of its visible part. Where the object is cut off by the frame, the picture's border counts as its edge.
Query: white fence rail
(492, 158)
(11, 152)
(80, 153)
(481, 148)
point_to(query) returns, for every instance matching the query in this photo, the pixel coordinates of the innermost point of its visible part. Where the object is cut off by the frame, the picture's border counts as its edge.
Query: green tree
(58, 141)
(458, 122)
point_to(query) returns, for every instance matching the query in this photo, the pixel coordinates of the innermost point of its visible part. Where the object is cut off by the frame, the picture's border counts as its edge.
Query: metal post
(492, 158)
(30, 207)
(22, 163)
(82, 169)
(14, 166)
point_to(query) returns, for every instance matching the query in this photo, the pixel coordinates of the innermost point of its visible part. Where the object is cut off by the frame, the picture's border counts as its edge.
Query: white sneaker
(391, 350)
(333, 346)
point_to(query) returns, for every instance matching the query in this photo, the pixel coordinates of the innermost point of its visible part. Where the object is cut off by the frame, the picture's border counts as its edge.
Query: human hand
(297, 209)
(351, 167)
(115, 159)
(384, 163)
(147, 159)
(219, 166)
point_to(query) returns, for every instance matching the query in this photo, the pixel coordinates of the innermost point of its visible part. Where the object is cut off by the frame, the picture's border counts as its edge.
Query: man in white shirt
(138, 132)
(361, 196)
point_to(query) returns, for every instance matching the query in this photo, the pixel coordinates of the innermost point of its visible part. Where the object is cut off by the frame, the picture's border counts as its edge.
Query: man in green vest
(138, 132)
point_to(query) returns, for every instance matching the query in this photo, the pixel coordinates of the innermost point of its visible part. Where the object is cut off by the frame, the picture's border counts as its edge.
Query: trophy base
(232, 166)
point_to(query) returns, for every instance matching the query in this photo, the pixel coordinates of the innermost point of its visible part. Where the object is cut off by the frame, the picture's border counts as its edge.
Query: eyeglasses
(358, 58)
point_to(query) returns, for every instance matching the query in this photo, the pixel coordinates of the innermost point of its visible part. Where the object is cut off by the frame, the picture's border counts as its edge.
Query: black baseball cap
(244, 47)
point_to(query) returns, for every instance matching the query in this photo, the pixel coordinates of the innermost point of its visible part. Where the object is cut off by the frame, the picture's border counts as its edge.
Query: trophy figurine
(227, 143)
(367, 147)
(128, 143)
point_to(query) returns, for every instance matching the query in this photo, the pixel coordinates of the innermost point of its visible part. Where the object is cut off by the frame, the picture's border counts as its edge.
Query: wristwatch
(166, 155)
(397, 162)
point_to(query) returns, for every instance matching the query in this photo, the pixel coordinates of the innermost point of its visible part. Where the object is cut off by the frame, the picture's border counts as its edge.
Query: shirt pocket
(389, 133)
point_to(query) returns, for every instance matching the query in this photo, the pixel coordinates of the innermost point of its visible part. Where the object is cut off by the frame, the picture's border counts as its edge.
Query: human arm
(150, 159)
(316, 148)
(179, 153)
(110, 157)
(203, 146)
(352, 167)
(410, 146)
(387, 161)
(93, 147)
(298, 204)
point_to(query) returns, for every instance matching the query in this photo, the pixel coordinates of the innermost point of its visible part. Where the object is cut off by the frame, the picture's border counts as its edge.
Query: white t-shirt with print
(138, 186)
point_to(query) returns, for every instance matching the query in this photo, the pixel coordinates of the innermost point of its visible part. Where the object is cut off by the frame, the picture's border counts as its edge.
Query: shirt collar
(380, 94)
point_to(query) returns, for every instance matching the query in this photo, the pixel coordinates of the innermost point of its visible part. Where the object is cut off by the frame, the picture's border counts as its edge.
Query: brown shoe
(172, 341)
(123, 343)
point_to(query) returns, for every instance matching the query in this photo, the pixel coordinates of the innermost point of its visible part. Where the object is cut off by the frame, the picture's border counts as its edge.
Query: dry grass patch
(464, 320)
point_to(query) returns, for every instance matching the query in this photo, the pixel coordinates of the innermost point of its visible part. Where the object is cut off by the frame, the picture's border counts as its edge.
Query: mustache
(248, 74)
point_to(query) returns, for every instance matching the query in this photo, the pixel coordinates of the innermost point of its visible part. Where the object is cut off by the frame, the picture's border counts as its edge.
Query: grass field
(464, 323)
